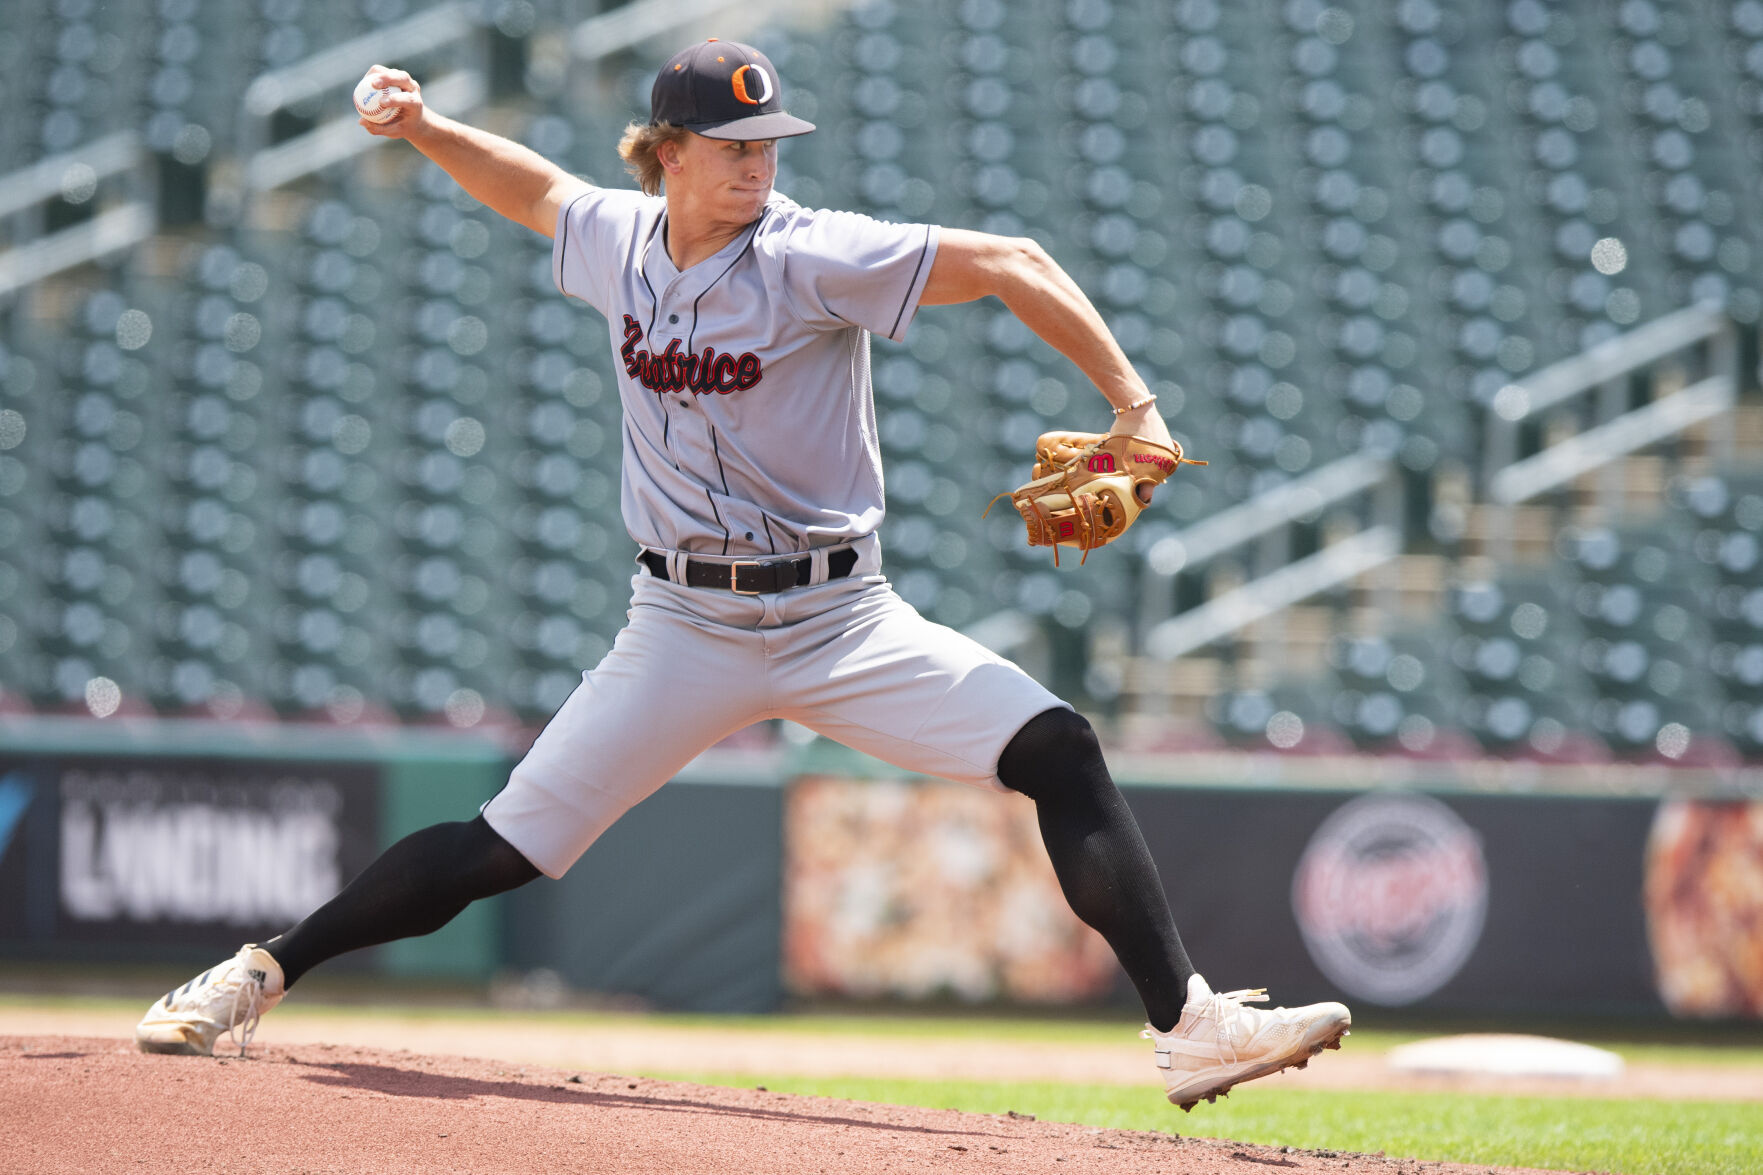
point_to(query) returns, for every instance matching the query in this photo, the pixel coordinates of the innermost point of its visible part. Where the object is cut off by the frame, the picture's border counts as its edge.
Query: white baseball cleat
(1219, 1043)
(228, 998)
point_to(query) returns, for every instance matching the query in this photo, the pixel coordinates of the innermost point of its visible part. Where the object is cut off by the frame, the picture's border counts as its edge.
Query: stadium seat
(1315, 228)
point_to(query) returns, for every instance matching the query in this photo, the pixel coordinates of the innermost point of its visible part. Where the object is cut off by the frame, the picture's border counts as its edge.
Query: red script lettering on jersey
(676, 371)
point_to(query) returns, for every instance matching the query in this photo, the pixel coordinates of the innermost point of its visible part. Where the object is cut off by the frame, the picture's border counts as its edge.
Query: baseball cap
(723, 90)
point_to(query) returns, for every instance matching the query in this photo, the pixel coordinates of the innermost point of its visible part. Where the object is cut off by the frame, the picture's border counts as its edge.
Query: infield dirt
(94, 1104)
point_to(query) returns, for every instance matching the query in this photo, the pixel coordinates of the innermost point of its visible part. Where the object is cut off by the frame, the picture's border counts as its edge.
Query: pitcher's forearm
(506, 177)
(1018, 272)
(1053, 306)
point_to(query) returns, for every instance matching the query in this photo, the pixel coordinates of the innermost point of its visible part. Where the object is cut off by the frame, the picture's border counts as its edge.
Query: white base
(1505, 1056)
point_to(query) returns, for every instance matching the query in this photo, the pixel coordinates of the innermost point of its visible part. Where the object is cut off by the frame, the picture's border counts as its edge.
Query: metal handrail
(1260, 598)
(1580, 454)
(448, 24)
(1614, 430)
(342, 138)
(1263, 520)
(109, 232)
(610, 32)
(1598, 369)
(1267, 511)
(42, 180)
(343, 64)
(1608, 359)
(270, 166)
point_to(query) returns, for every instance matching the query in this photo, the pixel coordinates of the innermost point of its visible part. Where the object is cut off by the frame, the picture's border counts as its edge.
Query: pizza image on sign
(1704, 898)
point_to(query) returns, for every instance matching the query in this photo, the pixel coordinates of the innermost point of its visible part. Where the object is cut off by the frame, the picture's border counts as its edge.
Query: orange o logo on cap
(742, 88)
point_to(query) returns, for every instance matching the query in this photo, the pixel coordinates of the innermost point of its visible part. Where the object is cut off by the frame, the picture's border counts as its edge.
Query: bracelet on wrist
(1149, 398)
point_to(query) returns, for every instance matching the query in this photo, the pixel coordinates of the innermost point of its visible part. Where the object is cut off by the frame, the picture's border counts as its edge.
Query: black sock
(415, 887)
(1100, 856)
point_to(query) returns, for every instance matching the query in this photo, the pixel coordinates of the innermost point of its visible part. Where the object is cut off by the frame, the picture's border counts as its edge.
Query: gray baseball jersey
(749, 420)
(749, 428)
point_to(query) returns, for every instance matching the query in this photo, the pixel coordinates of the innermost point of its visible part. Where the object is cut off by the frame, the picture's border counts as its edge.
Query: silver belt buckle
(734, 581)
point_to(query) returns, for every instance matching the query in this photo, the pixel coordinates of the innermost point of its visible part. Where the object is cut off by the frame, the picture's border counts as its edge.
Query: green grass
(1577, 1134)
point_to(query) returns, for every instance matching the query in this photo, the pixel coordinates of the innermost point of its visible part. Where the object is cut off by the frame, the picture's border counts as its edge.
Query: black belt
(752, 578)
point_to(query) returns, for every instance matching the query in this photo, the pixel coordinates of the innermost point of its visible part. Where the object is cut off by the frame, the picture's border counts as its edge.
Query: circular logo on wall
(1390, 895)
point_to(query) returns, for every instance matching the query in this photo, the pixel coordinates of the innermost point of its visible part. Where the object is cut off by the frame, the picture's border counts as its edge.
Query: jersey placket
(689, 432)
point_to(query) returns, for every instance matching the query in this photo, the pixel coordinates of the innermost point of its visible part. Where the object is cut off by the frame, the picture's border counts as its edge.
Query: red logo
(677, 371)
(1102, 463)
(1390, 896)
(1163, 463)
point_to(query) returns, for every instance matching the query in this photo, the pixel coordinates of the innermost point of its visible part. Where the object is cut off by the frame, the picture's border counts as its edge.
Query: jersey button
(673, 318)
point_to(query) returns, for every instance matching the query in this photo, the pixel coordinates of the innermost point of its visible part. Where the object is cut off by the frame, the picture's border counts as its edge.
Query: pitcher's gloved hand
(1088, 487)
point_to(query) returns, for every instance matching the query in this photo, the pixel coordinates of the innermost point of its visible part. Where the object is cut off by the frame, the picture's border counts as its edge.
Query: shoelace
(1216, 1009)
(1220, 1004)
(253, 1014)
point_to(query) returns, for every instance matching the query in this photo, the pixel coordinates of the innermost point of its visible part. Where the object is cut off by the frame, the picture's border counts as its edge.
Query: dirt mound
(87, 1104)
(640, 1044)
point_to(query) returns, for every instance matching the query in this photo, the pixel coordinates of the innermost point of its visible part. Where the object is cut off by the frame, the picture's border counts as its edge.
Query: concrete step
(1293, 645)
(1510, 532)
(1747, 431)
(1171, 689)
(1629, 490)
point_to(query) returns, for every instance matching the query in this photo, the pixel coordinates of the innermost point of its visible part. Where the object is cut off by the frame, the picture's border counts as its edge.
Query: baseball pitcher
(752, 484)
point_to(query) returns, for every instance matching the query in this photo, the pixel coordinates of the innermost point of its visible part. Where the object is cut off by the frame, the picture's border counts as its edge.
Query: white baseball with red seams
(369, 103)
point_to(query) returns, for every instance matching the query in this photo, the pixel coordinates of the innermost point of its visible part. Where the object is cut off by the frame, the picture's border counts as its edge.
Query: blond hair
(640, 148)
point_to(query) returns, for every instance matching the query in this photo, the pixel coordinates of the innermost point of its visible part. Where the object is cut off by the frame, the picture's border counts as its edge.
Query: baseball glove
(1084, 491)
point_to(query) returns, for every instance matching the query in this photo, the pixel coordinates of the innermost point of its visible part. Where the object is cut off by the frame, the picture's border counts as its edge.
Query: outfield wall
(169, 841)
(756, 877)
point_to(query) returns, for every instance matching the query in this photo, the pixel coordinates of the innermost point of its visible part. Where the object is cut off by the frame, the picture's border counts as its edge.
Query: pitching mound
(85, 1104)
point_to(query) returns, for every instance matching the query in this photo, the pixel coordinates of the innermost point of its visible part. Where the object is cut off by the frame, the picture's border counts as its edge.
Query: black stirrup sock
(1099, 855)
(415, 887)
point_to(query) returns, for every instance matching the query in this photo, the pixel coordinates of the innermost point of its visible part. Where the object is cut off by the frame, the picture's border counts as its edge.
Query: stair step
(1514, 531)
(1747, 432)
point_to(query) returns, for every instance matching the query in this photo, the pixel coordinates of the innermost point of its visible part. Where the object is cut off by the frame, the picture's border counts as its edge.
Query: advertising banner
(118, 857)
(923, 889)
(1448, 901)
(1391, 896)
(1704, 897)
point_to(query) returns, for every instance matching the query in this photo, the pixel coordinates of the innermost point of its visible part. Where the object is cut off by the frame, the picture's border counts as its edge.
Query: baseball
(370, 103)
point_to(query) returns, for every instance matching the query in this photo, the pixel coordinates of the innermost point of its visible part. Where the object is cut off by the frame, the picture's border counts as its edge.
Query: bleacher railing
(26, 191)
(1687, 367)
(454, 30)
(1264, 525)
(1692, 356)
